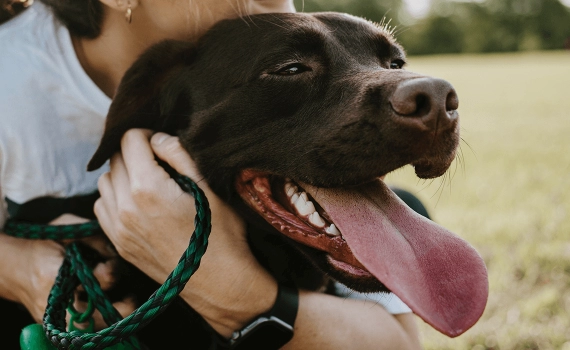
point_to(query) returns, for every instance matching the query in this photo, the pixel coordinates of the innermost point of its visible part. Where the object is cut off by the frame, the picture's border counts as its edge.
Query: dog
(293, 119)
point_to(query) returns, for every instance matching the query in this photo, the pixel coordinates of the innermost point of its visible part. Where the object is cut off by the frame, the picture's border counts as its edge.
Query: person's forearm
(228, 302)
(329, 322)
(11, 260)
(323, 321)
(410, 326)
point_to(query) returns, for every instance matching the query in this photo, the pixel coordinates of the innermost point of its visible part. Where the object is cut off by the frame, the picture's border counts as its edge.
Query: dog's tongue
(436, 273)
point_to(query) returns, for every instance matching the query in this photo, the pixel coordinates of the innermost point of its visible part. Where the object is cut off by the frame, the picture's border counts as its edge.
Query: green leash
(74, 271)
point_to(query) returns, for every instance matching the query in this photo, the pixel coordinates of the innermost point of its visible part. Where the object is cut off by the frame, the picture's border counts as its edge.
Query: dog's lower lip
(347, 268)
(257, 191)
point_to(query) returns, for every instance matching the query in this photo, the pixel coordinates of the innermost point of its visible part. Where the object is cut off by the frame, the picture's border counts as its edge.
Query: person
(61, 63)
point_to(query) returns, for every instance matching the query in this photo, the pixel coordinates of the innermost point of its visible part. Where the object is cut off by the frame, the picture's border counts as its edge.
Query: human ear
(120, 5)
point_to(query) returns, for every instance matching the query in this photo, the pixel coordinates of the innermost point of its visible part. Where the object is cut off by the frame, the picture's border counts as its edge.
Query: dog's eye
(292, 69)
(397, 64)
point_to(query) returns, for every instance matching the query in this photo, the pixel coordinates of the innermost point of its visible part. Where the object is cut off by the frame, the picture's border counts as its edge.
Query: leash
(75, 270)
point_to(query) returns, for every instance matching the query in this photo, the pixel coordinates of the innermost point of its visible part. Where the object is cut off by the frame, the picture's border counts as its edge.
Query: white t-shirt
(51, 113)
(52, 117)
(389, 301)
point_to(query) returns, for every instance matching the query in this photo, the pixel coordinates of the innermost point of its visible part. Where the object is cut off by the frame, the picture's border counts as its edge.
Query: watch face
(268, 334)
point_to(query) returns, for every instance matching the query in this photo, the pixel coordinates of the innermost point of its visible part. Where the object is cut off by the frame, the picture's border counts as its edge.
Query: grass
(508, 194)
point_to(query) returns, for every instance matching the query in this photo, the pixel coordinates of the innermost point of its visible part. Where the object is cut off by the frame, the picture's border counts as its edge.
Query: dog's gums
(289, 210)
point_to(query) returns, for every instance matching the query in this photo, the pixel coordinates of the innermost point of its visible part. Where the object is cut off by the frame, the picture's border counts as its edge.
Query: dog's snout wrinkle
(426, 103)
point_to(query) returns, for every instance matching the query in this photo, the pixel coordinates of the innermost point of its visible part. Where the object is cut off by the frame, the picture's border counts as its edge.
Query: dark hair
(82, 18)
(10, 8)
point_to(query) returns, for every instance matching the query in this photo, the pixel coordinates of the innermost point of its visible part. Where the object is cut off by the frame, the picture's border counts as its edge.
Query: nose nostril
(422, 105)
(451, 101)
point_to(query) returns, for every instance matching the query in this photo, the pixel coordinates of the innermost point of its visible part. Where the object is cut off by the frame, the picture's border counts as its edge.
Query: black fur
(330, 123)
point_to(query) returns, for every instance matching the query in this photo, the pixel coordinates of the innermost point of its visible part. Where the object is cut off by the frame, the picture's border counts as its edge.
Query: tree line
(463, 26)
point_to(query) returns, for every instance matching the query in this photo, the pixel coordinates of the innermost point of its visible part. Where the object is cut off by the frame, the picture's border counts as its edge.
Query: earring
(129, 13)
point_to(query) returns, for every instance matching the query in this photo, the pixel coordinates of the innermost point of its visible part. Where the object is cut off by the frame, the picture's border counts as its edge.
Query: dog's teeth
(332, 230)
(294, 198)
(316, 220)
(304, 206)
(259, 187)
(290, 189)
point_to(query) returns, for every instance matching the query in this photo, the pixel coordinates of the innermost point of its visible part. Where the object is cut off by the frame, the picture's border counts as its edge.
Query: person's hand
(44, 258)
(150, 220)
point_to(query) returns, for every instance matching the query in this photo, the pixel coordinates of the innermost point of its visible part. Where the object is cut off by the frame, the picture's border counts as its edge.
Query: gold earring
(129, 13)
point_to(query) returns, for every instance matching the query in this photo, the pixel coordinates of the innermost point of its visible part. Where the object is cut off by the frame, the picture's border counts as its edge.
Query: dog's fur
(308, 97)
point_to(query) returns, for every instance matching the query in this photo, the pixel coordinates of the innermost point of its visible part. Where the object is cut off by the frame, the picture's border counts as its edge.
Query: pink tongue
(436, 273)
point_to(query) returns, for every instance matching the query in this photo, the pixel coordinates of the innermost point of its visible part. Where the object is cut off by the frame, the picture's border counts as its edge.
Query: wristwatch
(273, 329)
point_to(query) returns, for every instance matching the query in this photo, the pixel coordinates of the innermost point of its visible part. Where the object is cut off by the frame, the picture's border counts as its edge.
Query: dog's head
(296, 117)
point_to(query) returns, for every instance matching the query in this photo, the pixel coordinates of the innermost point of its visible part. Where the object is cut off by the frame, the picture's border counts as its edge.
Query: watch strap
(282, 315)
(286, 305)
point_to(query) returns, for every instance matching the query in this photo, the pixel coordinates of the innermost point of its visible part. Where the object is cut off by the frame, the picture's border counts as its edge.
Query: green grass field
(508, 193)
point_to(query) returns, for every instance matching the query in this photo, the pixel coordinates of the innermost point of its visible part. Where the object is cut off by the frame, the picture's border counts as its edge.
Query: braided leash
(75, 270)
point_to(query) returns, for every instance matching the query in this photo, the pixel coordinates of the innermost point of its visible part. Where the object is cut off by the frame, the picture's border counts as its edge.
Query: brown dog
(292, 119)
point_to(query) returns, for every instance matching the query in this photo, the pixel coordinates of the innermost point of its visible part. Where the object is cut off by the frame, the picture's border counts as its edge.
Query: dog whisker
(440, 188)
(384, 24)
(461, 158)
(457, 161)
(399, 30)
(471, 148)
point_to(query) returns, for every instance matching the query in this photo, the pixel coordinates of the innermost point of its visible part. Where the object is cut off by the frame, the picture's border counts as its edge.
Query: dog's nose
(432, 102)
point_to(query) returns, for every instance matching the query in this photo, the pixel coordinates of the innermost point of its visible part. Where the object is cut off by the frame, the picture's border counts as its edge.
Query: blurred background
(508, 192)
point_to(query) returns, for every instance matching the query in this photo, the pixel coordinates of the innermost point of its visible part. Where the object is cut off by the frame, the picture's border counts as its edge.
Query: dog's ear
(151, 95)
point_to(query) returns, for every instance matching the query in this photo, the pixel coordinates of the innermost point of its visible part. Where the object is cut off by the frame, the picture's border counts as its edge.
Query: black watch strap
(273, 329)
(286, 305)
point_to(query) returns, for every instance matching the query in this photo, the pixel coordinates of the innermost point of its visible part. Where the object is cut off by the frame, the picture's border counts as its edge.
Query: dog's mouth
(292, 210)
(368, 232)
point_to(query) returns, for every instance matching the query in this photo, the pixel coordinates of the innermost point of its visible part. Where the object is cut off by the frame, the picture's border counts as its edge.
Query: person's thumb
(169, 149)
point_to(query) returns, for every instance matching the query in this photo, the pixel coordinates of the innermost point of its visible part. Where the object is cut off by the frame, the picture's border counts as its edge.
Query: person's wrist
(229, 305)
(272, 329)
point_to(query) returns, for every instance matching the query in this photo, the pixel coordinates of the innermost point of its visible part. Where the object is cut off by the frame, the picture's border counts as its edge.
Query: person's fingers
(139, 161)
(67, 219)
(105, 207)
(125, 307)
(169, 149)
(105, 273)
(107, 200)
(121, 182)
(101, 244)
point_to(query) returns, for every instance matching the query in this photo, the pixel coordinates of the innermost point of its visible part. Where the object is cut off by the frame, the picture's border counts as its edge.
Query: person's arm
(329, 322)
(140, 205)
(28, 268)
(21, 278)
